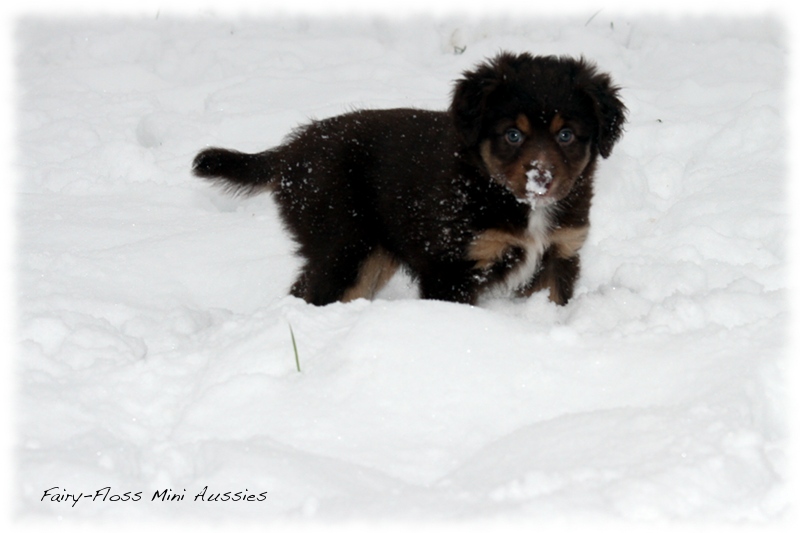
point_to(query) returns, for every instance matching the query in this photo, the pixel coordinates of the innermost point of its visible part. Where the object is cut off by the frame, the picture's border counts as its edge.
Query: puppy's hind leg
(375, 272)
(335, 276)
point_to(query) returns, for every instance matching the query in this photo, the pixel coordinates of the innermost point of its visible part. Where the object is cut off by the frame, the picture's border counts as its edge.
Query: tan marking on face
(587, 155)
(524, 125)
(562, 186)
(513, 178)
(492, 164)
(568, 241)
(556, 124)
(489, 246)
(375, 272)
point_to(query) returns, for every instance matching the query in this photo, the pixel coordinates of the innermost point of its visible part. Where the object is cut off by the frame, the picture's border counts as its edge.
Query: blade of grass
(294, 346)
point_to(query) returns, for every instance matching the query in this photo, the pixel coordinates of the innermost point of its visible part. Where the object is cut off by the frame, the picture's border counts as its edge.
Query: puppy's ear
(609, 109)
(470, 97)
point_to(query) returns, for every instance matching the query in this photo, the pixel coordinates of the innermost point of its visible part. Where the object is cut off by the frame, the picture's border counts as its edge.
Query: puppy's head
(538, 123)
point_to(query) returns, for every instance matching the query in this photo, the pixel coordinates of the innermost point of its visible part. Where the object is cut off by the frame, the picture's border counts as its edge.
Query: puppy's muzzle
(539, 178)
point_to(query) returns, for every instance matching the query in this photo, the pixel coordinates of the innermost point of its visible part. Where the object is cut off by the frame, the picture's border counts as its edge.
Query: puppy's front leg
(558, 274)
(560, 265)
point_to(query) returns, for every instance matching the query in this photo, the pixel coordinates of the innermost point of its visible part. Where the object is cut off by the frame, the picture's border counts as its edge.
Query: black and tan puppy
(494, 192)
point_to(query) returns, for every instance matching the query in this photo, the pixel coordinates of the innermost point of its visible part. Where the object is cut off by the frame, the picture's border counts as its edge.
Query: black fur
(368, 190)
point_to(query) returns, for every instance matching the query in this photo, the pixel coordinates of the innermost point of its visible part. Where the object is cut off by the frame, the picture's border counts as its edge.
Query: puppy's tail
(237, 172)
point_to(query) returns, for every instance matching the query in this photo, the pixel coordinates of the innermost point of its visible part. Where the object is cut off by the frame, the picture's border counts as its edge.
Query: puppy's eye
(514, 136)
(565, 136)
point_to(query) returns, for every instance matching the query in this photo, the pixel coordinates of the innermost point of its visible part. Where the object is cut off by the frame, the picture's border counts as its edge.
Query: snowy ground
(154, 350)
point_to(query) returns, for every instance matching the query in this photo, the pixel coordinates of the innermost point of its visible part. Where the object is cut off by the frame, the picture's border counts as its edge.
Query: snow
(153, 346)
(539, 177)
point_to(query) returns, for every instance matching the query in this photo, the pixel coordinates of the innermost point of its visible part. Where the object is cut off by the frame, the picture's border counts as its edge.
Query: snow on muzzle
(540, 177)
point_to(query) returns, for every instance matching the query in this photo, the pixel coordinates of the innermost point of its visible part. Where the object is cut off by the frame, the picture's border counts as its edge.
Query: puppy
(495, 192)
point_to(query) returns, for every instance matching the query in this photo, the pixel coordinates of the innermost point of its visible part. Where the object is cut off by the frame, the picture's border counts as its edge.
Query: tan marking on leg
(556, 124)
(568, 241)
(554, 295)
(543, 282)
(489, 246)
(375, 272)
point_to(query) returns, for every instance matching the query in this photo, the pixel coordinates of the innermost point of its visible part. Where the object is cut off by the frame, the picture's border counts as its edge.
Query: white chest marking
(536, 240)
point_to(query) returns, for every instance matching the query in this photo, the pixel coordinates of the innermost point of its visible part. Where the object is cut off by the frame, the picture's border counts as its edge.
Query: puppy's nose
(540, 176)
